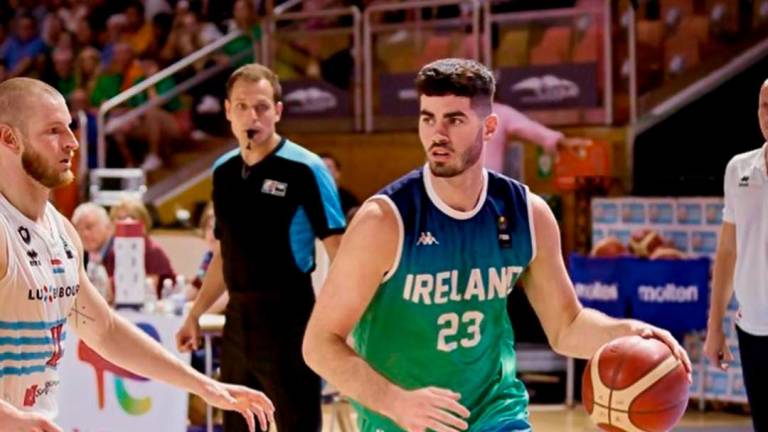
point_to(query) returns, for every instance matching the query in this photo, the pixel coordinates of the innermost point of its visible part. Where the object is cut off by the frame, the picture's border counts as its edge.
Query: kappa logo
(426, 239)
(274, 187)
(744, 181)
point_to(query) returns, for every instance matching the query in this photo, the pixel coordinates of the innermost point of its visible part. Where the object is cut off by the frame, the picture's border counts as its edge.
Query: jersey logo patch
(34, 258)
(744, 181)
(274, 187)
(24, 234)
(426, 239)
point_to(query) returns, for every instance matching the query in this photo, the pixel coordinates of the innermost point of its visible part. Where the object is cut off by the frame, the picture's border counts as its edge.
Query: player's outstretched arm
(12, 419)
(124, 344)
(367, 252)
(571, 329)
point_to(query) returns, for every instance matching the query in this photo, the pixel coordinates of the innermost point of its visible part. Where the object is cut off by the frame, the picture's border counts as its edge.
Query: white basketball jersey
(36, 294)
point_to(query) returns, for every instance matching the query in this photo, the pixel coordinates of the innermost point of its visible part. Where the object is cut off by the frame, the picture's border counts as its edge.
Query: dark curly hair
(458, 77)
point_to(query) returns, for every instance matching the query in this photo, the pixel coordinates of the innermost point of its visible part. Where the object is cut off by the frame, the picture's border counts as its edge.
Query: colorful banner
(97, 395)
(672, 294)
(596, 281)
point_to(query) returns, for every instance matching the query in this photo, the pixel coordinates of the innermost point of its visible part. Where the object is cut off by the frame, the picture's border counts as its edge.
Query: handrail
(542, 14)
(554, 14)
(283, 7)
(142, 86)
(325, 13)
(162, 99)
(367, 42)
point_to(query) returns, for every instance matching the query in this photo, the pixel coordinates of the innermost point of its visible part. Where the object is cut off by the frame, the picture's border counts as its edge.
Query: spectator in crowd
(88, 138)
(139, 32)
(88, 69)
(157, 127)
(156, 261)
(25, 50)
(96, 229)
(84, 34)
(245, 19)
(115, 34)
(349, 201)
(514, 124)
(206, 226)
(61, 74)
(52, 30)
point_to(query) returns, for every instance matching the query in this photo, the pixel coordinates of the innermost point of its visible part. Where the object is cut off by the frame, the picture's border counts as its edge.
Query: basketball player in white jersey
(43, 284)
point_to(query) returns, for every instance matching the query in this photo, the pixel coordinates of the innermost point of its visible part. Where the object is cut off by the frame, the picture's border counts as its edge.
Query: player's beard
(466, 159)
(35, 166)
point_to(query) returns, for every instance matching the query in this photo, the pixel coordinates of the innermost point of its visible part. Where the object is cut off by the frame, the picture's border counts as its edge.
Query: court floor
(576, 420)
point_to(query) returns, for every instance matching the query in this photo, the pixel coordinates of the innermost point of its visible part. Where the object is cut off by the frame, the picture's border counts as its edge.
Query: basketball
(665, 252)
(609, 247)
(635, 384)
(643, 242)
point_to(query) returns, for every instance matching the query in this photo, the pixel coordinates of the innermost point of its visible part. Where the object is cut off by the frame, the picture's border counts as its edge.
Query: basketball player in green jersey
(423, 274)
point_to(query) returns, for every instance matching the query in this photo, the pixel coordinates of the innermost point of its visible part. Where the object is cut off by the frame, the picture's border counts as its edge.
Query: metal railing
(355, 32)
(152, 80)
(369, 28)
(527, 18)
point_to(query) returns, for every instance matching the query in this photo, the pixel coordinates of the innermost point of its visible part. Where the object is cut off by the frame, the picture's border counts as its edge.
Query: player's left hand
(238, 398)
(648, 331)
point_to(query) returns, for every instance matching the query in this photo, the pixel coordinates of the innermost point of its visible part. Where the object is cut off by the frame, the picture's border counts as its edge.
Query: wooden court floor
(576, 420)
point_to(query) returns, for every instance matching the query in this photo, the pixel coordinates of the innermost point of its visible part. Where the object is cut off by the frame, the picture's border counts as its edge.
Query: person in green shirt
(157, 126)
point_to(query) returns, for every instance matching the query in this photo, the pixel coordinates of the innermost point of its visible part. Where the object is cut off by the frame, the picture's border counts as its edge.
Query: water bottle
(179, 296)
(150, 295)
(167, 289)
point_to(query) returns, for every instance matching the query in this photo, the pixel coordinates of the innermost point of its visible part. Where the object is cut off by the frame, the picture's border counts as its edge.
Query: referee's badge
(274, 187)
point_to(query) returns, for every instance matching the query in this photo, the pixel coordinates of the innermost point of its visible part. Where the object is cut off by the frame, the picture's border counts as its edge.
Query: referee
(271, 198)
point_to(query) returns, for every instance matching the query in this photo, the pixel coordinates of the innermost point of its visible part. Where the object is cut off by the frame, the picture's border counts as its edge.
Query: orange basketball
(608, 247)
(635, 384)
(643, 242)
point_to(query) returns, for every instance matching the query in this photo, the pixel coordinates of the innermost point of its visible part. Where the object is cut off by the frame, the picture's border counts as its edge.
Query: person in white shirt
(44, 287)
(741, 267)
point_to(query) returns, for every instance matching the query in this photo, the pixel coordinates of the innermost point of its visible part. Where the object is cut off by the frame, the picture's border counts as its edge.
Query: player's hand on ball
(429, 408)
(246, 401)
(648, 331)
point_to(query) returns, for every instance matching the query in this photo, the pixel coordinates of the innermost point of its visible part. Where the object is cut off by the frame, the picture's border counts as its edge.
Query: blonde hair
(135, 209)
(15, 97)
